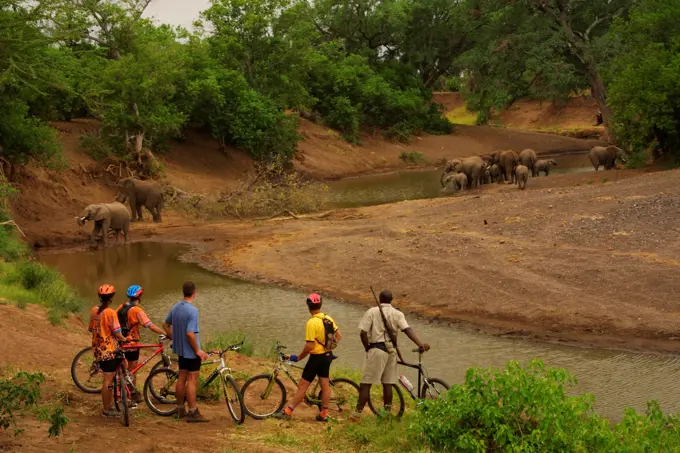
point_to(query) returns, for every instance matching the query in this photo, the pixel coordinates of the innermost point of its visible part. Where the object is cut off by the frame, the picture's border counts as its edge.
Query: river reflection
(269, 313)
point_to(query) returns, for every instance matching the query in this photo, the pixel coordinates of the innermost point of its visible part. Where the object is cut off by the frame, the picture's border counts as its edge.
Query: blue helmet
(135, 291)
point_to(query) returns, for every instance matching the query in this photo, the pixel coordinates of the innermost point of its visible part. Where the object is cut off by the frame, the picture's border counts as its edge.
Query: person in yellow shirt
(319, 362)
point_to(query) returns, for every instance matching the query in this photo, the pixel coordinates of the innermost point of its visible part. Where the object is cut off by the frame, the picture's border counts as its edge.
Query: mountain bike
(123, 387)
(265, 394)
(162, 382)
(427, 388)
(88, 377)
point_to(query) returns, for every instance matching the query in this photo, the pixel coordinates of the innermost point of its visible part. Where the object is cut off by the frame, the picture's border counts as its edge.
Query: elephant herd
(115, 216)
(510, 167)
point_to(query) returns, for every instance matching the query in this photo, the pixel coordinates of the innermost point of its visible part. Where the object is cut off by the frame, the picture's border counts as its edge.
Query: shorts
(317, 365)
(132, 355)
(380, 367)
(190, 365)
(109, 366)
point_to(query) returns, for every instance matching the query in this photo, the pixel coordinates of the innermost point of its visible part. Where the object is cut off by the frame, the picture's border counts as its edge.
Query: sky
(176, 12)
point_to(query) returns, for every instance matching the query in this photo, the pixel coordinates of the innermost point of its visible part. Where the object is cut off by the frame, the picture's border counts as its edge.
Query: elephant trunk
(441, 180)
(81, 220)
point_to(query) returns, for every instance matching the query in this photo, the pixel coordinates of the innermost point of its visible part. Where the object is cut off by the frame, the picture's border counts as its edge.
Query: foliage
(275, 192)
(21, 392)
(643, 77)
(225, 340)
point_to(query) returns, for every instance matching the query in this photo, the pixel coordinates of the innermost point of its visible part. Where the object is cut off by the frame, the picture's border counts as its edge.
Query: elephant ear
(99, 212)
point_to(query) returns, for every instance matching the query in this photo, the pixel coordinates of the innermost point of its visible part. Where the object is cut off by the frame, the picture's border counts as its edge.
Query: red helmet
(314, 299)
(106, 290)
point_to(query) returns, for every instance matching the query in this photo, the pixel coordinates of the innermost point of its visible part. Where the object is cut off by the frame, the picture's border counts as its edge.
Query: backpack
(123, 318)
(331, 342)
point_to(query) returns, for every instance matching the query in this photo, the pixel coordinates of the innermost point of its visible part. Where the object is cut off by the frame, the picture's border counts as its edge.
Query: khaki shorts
(380, 367)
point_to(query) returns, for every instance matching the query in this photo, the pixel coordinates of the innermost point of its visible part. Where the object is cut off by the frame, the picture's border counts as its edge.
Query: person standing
(130, 317)
(320, 331)
(380, 364)
(106, 335)
(181, 326)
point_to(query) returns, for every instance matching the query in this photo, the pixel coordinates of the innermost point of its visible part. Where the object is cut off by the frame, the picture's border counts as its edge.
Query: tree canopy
(250, 66)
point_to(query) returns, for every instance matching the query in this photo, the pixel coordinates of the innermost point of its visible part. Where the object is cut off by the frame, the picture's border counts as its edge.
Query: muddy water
(267, 313)
(416, 184)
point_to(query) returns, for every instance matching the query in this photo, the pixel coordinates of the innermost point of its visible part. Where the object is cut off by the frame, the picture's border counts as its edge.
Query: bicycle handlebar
(233, 347)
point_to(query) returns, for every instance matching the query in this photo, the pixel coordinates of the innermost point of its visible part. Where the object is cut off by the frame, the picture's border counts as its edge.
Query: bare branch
(13, 223)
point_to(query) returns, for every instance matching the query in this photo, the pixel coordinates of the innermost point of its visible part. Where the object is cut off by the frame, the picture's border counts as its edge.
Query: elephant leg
(117, 234)
(138, 211)
(106, 224)
(95, 233)
(157, 214)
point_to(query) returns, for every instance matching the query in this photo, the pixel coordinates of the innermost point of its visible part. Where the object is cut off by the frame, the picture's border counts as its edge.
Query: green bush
(527, 409)
(225, 340)
(413, 157)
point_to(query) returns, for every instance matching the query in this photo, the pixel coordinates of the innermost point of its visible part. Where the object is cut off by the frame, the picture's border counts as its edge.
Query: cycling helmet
(314, 299)
(135, 291)
(106, 290)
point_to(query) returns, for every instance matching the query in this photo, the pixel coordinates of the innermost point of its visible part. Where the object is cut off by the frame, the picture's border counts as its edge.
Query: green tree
(643, 76)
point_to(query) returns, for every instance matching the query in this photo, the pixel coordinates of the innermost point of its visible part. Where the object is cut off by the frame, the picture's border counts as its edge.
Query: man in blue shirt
(181, 325)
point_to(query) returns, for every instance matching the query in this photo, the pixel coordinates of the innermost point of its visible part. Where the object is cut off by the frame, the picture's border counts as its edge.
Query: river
(269, 313)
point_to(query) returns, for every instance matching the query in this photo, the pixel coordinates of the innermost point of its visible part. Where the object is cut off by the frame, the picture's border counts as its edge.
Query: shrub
(225, 340)
(413, 157)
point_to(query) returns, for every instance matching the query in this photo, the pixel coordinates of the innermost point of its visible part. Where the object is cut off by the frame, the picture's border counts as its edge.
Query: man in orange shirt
(106, 334)
(130, 317)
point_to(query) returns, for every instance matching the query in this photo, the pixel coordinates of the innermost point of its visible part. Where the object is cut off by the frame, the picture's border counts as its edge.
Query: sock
(289, 410)
(324, 412)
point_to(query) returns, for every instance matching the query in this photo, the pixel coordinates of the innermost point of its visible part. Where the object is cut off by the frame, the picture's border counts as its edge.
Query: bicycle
(122, 388)
(428, 388)
(268, 390)
(166, 391)
(85, 363)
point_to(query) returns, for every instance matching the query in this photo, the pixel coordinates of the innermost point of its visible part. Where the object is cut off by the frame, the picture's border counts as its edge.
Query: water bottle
(405, 382)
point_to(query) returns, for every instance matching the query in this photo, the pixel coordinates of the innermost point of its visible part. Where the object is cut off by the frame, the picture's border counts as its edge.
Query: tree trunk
(599, 92)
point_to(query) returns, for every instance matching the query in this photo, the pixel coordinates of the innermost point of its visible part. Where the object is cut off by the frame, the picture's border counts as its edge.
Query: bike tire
(235, 405)
(436, 383)
(160, 364)
(250, 396)
(343, 402)
(165, 407)
(396, 392)
(76, 364)
(124, 401)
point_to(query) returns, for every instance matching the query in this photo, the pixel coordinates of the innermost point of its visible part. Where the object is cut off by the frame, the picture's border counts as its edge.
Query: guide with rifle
(379, 328)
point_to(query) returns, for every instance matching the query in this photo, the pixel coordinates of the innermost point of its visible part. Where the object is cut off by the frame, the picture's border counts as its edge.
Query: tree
(643, 76)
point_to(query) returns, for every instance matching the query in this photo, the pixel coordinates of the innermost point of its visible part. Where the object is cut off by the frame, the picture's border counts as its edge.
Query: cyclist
(106, 334)
(130, 317)
(319, 362)
(380, 364)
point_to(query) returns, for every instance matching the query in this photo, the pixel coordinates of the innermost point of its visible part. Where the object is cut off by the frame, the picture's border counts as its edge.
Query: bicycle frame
(219, 371)
(422, 375)
(161, 350)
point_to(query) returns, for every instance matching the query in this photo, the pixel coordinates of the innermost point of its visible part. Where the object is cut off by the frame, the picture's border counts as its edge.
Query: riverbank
(585, 259)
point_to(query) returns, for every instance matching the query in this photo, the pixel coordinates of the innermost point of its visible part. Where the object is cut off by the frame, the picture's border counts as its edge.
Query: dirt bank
(580, 258)
(30, 343)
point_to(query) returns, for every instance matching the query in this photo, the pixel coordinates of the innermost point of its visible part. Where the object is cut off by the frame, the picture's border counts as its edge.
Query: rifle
(393, 337)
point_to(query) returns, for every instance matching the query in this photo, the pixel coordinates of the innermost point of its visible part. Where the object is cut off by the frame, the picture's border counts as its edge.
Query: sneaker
(111, 412)
(319, 418)
(195, 417)
(181, 413)
(282, 416)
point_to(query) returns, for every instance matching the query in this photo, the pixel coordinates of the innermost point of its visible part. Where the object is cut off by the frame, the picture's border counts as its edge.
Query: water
(417, 184)
(268, 313)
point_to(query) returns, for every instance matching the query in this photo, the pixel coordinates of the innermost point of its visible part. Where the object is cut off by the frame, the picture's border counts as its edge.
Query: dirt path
(573, 259)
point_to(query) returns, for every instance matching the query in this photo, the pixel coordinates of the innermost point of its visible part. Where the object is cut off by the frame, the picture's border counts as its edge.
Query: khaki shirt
(373, 325)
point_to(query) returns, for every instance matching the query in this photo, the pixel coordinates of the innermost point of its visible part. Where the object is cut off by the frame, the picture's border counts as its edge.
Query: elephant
(495, 173)
(528, 158)
(544, 165)
(508, 160)
(471, 166)
(459, 181)
(522, 174)
(600, 155)
(105, 216)
(486, 176)
(140, 193)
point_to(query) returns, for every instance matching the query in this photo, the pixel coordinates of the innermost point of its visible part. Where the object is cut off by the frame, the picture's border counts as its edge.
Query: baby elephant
(543, 165)
(522, 174)
(105, 216)
(495, 173)
(460, 181)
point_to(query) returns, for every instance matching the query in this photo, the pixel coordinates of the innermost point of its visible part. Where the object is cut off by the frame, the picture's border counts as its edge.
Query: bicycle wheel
(160, 364)
(234, 399)
(375, 402)
(435, 390)
(263, 396)
(161, 382)
(174, 366)
(86, 373)
(124, 396)
(344, 397)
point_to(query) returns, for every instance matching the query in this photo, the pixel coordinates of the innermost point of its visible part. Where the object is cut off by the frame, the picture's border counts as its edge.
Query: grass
(413, 157)
(224, 340)
(462, 115)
